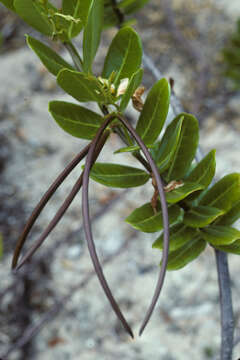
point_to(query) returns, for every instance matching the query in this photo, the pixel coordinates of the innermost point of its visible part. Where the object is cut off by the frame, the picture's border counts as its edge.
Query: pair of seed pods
(92, 151)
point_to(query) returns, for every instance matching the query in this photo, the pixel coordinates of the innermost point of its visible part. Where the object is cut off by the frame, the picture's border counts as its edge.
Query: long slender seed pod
(44, 200)
(165, 221)
(88, 231)
(61, 211)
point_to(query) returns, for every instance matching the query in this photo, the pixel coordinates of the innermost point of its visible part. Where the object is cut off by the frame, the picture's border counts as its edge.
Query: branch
(227, 319)
(226, 307)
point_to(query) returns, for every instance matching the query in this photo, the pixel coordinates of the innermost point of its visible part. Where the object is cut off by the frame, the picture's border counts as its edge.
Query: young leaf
(79, 10)
(224, 193)
(231, 216)
(75, 120)
(204, 171)
(115, 175)
(92, 33)
(182, 192)
(124, 55)
(186, 148)
(146, 220)
(233, 248)
(53, 62)
(220, 235)
(201, 216)
(134, 82)
(164, 151)
(31, 12)
(154, 112)
(9, 4)
(187, 253)
(129, 149)
(131, 6)
(81, 87)
(179, 235)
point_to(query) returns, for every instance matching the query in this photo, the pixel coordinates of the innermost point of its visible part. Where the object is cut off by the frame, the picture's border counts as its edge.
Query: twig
(226, 306)
(227, 320)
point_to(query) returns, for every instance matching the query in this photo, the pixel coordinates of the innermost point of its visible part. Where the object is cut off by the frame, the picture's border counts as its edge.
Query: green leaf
(92, 33)
(220, 235)
(134, 82)
(115, 175)
(124, 55)
(182, 192)
(52, 61)
(179, 235)
(129, 149)
(75, 8)
(31, 12)
(9, 4)
(131, 6)
(154, 112)
(187, 253)
(204, 171)
(75, 120)
(231, 216)
(165, 149)
(186, 148)
(145, 219)
(233, 248)
(201, 216)
(80, 86)
(224, 193)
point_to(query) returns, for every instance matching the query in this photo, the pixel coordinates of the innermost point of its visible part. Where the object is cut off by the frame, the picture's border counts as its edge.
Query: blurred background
(54, 307)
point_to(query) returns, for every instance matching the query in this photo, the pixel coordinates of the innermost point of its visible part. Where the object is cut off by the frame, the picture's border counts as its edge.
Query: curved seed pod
(88, 230)
(165, 221)
(61, 211)
(44, 200)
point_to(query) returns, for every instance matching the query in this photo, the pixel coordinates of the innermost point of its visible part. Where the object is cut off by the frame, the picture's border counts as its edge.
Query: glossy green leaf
(78, 9)
(31, 12)
(154, 112)
(92, 33)
(231, 216)
(134, 82)
(186, 148)
(146, 220)
(124, 55)
(80, 86)
(204, 171)
(131, 6)
(224, 193)
(115, 175)
(9, 4)
(52, 61)
(75, 120)
(165, 149)
(201, 216)
(187, 253)
(130, 149)
(233, 248)
(182, 192)
(179, 235)
(220, 235)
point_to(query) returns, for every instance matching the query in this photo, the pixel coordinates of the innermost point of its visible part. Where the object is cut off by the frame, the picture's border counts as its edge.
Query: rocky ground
(185, 324)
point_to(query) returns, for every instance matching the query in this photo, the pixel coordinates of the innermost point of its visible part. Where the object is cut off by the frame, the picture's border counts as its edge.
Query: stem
(227, 320)
(74, 55)
(44, 200)
(224, 281)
